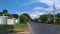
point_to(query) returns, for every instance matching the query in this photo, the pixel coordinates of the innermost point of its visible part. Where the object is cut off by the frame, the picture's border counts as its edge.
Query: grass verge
(20, 27)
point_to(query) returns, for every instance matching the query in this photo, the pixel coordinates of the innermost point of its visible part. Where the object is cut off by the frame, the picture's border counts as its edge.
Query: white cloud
(33, 14)
(37, 8)
(36, 14)
(41, 8)
(20, 12)
(49, 2)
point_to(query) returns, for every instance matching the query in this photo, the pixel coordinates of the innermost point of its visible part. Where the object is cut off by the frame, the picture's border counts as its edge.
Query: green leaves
(24, 18)
(15, 15)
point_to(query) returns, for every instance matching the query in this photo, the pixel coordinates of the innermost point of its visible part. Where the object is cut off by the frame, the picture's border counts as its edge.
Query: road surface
(38, 28)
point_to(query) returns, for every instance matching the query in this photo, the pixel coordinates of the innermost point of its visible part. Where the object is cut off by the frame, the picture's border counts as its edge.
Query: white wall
(3, 19)
(11, 21)
(16, 20)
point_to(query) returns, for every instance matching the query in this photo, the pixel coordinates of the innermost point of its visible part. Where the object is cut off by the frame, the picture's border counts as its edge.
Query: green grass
(21, 25)
(5, 28)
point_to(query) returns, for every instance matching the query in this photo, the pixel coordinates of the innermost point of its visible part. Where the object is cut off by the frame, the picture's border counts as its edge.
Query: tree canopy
(24, 18)
(15, 15)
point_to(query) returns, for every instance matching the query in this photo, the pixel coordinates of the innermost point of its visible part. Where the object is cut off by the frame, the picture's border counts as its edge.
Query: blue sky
(33, 7)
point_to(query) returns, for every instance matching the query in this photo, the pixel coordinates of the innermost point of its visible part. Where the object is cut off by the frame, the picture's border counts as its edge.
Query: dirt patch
(23, 33)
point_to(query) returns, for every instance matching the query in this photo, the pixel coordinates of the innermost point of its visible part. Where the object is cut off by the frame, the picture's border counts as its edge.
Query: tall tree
(15, 15)
(28, 17)
(43, 18)
(58, 18)
(5, 12)
(1, 13)
(46, 18)
(58, 15)
(23, 19)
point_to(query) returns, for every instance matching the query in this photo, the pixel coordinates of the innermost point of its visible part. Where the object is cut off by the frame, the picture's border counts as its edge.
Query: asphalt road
(38, 28)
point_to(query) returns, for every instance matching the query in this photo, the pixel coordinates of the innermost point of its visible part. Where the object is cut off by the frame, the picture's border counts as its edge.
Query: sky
(34, 8)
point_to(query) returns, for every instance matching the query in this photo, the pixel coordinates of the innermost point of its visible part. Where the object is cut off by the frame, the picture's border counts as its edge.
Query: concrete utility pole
(54, 10)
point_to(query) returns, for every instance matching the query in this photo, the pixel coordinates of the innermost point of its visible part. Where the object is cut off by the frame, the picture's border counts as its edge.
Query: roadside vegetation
(48, 19)
(24, 18)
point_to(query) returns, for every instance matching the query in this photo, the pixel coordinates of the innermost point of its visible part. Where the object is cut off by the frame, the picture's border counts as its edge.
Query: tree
(58, 15)
(23, 19)
(28, 17)
(46, 18)
(5, 12)
(58, 21)
(1, 13)
(36, 20)
(58, 18)
(15, 15)
(43, 18)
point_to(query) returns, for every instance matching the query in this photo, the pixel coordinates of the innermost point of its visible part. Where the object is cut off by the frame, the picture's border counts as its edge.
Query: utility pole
(54, 10)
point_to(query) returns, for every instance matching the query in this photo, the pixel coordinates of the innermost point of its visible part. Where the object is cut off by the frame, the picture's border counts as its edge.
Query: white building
(4, 20)
(11, 21)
